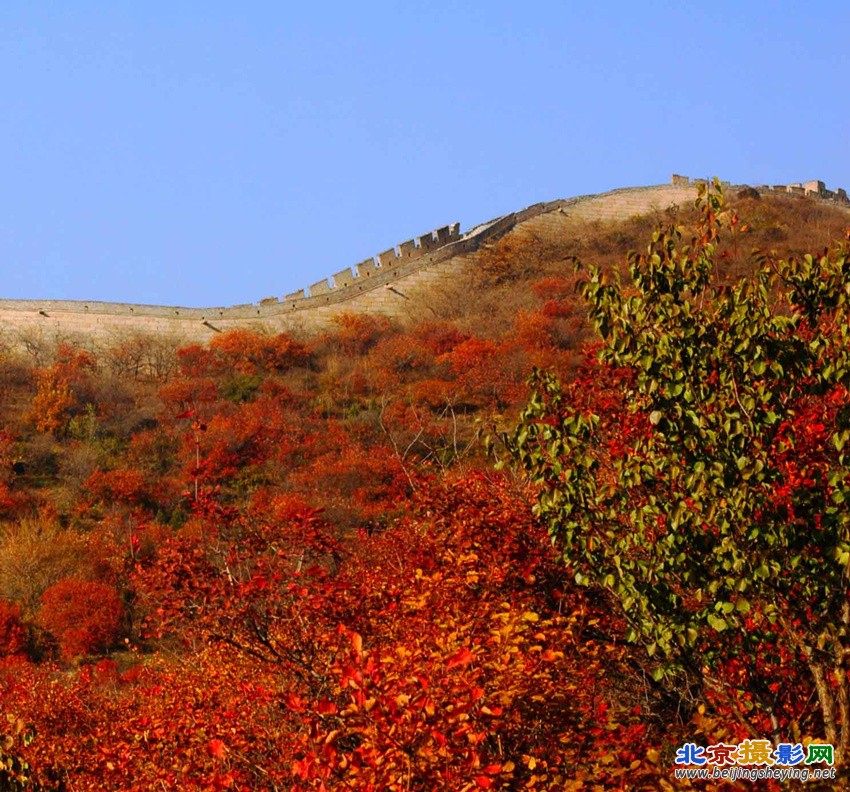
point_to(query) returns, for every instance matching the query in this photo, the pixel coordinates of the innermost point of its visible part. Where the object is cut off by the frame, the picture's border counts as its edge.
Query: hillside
(274, 553)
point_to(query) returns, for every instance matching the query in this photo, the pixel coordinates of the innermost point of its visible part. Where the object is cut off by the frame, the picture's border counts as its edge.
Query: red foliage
(489, 374)
(194, 360)
(13, 634)
(534, 330)
(242, 351)
(347, 475)
(449, 651)
(247, 352)
(241, 438)
(356, 333)
(123, 486)
(438, 338)
(554, 287)
(182, 395)
(84, 617)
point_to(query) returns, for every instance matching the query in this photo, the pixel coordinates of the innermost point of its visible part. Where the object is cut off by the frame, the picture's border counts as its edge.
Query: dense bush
(83, 616)
(14, 636)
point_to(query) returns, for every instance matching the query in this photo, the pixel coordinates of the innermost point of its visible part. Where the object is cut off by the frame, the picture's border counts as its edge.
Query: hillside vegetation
(278, 562)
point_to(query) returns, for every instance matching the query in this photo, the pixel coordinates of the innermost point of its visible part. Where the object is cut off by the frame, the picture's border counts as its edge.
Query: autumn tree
(698, 472)
(60, 389)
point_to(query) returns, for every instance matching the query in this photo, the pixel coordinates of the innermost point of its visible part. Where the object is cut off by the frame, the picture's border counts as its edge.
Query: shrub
(13, 633)
(84, 617)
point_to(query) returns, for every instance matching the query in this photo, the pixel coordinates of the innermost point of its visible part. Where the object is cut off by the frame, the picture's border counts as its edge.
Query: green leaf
(717, 623)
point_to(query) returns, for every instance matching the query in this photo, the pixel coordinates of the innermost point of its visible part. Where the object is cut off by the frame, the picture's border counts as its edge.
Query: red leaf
(460, 658)
(187, 414)
(217, 749)
(294, 702)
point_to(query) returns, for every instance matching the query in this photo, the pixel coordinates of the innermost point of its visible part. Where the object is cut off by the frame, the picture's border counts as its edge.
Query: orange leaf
(217, 749)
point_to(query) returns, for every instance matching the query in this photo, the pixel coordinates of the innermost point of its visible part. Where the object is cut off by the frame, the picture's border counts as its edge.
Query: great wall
(395, 283)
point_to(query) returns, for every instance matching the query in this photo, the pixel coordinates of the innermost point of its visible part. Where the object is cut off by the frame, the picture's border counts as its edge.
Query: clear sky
(211, 153)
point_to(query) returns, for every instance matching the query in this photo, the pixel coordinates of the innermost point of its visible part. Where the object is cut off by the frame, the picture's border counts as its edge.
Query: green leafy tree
(696, 469)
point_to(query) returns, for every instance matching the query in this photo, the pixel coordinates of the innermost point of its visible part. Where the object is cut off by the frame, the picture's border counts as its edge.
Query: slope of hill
(282, 560)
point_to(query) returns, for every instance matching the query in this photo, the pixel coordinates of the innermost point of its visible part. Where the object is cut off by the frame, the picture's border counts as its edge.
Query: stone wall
(395, 283)
(810, 189)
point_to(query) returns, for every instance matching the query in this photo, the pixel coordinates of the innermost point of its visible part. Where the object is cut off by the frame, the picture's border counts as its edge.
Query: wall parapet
(409, 250)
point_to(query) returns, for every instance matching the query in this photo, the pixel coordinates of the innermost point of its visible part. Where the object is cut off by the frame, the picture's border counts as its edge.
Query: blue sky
(218, 153)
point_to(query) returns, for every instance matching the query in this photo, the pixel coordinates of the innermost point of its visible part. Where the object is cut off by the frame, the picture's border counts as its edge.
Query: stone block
(388, 257)
(427, 242)
(408, 250)
(366, 268)
(343, 278)
(443, 235)
(320, 287)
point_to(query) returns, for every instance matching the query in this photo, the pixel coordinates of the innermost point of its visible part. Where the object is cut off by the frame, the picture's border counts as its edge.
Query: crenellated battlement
(407, 251)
